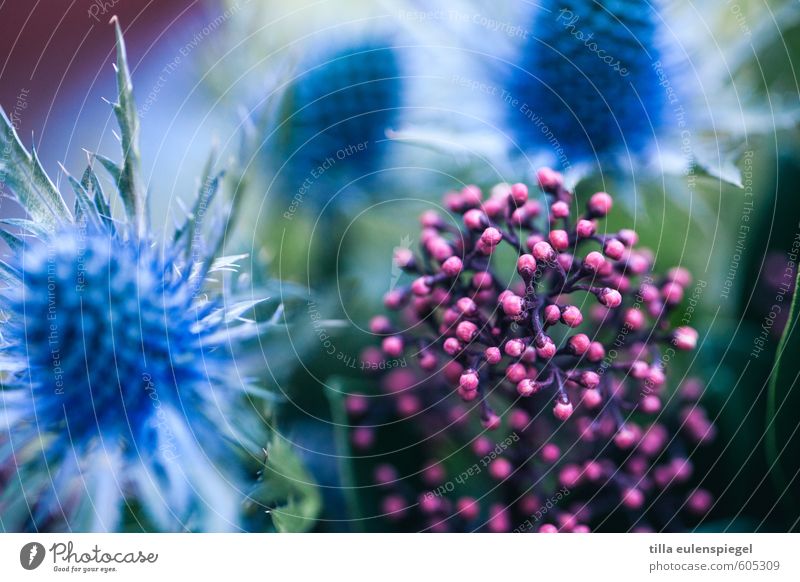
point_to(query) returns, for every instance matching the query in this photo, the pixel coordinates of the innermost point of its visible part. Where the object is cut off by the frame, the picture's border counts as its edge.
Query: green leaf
(84, 207)
(291, 490)
(125, 110)
(32, 227)
(92, 185)
(23, 173)
(13, 241)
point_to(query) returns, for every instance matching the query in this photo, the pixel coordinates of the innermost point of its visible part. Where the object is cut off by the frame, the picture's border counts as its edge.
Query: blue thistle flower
(587, 75)
(334, 116)
(117, 358)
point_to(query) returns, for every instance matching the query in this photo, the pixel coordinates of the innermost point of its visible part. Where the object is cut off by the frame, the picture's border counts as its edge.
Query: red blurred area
(48, 47)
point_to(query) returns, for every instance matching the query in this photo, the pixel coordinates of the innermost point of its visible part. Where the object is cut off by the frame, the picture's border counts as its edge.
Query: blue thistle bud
(117, 358)
(334, 117)
(587, 75)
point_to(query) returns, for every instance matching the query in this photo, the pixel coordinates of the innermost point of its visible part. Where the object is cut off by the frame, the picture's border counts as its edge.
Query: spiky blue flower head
(334, 116)
(587, 80)
(121, 396)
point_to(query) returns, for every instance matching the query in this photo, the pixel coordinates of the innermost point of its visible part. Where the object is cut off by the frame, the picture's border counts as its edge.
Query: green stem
(771, 440)
(347, 478)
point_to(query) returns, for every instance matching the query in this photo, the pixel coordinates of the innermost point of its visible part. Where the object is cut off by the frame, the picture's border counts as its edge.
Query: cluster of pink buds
(525, 315)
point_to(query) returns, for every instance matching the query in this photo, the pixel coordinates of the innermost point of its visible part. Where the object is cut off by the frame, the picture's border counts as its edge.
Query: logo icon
(31, 555)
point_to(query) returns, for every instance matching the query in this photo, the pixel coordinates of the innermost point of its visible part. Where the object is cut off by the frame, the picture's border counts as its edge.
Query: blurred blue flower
(587, 82)
(334, 116)
(121, 398)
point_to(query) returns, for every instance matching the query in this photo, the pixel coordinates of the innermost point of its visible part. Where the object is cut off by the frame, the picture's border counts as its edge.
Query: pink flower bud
(633, 498)
(393, 300)
(637, 264)
(427, 361)
(526, 265)
(559, 239)
(562, 410)
(363, 437)
(531, 241)
(549, 180)
(685, 338)
(471, 195)
(519, 192)
(356, 404)
(628, 237)
(420, 287)
(639, 369)
(466, 331)
(551, 314)
(393, 346)
(494, 207)
(542, 251)
(475, 219)
(570, 476)
(614, 249)
(589, 379)
(559, 209)
(452, 346)
(634, 318)
(491, 236)
(571, 316)
(500, 469)
(699, 501)
(467, 395)
(594, 261)
(546, 349)
(499, 521)
(491, 421)
(513, 305)
(468, 508)
(518, 419)
(466, 306)
(492, 355)
(430, 219)
(672, 293)
(482, 280)
(610, 297)
(526, 387)
(579, 343)
(585, 228)
(680, 276)
(439, 249)
(548, 528)
(469, 380)
(516, 373)
(514, 348)
(596, 352)
(592, 398)
(650, 404)
(408, 405)
(625, 438)
(550, 453)
(600, 204)
(452, 267)
(655, 377)
(380, 324)
(394, 507)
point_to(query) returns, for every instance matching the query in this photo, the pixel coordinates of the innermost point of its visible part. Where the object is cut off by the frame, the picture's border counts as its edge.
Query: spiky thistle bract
(121, 401)
(589, 76)
(334, 116)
